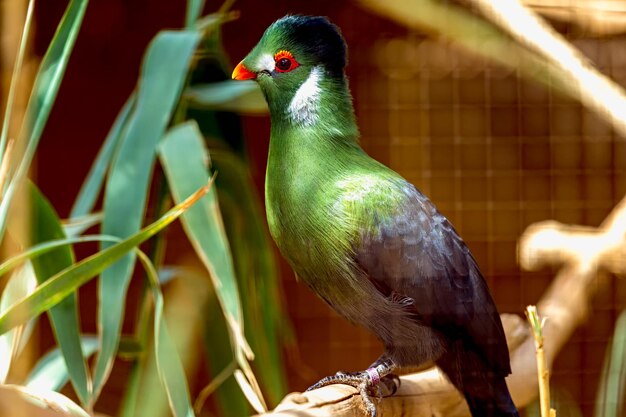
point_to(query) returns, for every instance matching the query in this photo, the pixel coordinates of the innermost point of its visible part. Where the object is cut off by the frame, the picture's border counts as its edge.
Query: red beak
(243, 73)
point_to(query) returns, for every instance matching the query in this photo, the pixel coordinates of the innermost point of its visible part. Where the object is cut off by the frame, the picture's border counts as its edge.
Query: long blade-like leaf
(67, 281)
(219, 352)
(43, 95)
(610, 397)
(46, 247)
(266, 321)
(78, 225)
(185, 160)
(46, 226)
(169, 365)
(163, 73)
(22, 283)
(90, 190)
(194, 10)
(235, 96)
(50, 373)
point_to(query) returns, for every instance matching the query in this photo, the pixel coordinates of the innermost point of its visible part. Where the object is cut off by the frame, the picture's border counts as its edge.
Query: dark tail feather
(485, 391)
(492, 399)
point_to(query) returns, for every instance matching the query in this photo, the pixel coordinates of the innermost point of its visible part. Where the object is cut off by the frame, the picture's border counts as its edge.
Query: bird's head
(298, 59)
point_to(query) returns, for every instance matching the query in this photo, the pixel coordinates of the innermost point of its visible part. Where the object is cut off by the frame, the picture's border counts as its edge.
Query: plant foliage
(158, 141)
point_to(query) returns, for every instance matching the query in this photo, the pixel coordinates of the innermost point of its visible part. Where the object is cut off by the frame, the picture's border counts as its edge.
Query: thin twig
(543, 374)
(213, 385)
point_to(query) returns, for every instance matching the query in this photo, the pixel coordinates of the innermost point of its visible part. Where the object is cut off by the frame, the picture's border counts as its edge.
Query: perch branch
(582, 252)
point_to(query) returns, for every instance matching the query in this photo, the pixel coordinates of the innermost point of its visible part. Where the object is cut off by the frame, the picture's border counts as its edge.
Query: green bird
(363, 238)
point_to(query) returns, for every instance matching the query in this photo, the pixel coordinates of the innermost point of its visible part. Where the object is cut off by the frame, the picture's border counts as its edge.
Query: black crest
(317, 36)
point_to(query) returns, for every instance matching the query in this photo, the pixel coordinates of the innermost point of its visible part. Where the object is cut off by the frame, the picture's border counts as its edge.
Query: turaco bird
(363, 238)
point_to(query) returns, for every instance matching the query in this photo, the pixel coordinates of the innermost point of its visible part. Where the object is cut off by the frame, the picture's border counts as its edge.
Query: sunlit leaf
(78, 225)
(185, 162)
(248, 391)
(46, 247)
(22, 283)
(164, 71)
(235, 96)
(50, 373)
(67, 281)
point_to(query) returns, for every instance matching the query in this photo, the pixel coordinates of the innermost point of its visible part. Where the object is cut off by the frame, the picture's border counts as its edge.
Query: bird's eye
(285, 62)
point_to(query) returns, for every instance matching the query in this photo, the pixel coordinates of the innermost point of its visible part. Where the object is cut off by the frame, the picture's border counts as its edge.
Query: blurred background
(495, 151)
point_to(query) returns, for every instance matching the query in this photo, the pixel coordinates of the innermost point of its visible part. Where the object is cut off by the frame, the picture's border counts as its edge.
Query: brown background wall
(494, 152)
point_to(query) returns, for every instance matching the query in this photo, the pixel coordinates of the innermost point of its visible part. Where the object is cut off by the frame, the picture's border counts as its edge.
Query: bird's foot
(369, 383)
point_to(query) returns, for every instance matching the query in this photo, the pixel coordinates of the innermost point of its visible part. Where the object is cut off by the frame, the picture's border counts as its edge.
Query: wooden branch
(550, 242)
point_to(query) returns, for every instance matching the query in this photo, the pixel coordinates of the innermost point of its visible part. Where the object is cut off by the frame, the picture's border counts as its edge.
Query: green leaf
(43, 95)
(90, 190)
(163, 74)
(219, 352)
(46, 247)
(266, 321)
(236, 96)
(170, 368)
(22, 283)
(46, 226)
(610, 396)
(67, 281)
(50, 373)
(185, 162)
(194, 10)
(77, 225)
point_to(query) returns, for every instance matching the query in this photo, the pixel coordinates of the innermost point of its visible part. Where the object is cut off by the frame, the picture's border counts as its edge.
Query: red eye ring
(285, 61)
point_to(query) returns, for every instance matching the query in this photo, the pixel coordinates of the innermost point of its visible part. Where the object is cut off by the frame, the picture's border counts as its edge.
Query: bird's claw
(366, 382)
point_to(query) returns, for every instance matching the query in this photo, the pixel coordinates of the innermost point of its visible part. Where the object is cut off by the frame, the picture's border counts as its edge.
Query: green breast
(317, 214)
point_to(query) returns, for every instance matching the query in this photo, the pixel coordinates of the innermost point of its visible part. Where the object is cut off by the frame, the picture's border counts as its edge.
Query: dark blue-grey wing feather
(418, 254)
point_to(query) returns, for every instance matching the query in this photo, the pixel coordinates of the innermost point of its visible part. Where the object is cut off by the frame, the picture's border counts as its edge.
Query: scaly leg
(364, 381)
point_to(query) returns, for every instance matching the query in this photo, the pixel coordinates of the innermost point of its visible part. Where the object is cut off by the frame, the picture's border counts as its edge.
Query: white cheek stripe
(304, 105)
(266, 62)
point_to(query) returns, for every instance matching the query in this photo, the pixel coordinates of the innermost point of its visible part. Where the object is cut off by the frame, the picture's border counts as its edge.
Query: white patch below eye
(266, 62)
(304, 105)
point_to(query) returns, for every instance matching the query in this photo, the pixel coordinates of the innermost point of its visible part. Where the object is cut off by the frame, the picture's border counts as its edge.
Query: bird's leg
(365, 381)
(390, 382)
